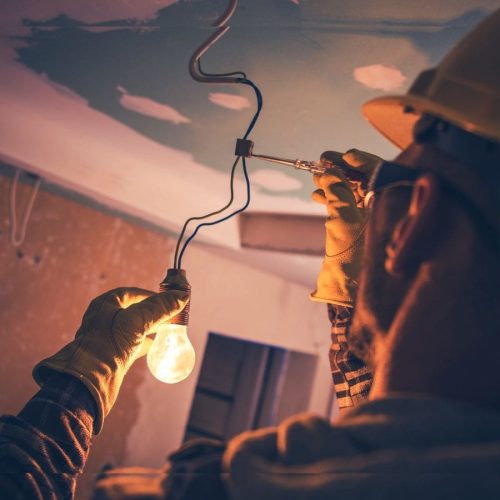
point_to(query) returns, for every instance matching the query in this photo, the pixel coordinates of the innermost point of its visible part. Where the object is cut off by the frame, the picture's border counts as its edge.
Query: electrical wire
(231, 77)
(213, 223)
(233, 169)
(178, 257)
(258, 95)
(17, 237)
(216, 75)
(201, 217)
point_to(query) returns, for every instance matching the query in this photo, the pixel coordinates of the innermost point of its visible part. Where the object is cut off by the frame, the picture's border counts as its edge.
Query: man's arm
(337, 281)
(351, 377)
(45, 447)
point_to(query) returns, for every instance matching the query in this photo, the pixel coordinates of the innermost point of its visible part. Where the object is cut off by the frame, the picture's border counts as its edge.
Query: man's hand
(112, 336)
(338, 278)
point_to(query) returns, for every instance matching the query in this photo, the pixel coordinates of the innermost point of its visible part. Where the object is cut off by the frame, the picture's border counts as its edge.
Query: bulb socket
(176, 280)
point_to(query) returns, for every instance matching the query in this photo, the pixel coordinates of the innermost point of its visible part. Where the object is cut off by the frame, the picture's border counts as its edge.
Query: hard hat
(464, 90)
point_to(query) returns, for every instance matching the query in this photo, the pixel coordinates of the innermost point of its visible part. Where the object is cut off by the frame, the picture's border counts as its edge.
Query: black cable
(258, 95)
(244, 207)
(178, 257)
(201, 217)
(215, 75)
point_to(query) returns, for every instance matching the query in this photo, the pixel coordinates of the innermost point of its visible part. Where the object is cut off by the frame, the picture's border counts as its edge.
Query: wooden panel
(209, 414)
(297, 388)
(299, 234)
(221, 364)
(248, 391)
(229, 389)
(267, 385)
(272, 388)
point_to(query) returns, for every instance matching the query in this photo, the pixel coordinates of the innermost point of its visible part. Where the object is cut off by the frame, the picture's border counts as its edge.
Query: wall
(72, 253)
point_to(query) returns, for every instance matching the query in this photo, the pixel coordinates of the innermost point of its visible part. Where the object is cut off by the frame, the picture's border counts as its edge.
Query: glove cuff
(316, 297)
(103, 390)
(337, 280)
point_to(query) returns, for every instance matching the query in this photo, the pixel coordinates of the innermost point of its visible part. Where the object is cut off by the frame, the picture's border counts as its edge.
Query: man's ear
(410, 236)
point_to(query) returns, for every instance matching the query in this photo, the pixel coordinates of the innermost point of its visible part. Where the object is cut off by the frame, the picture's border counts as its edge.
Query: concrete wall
(73, 252)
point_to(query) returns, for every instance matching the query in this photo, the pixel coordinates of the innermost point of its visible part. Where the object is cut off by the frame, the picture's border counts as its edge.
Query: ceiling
(96, 98)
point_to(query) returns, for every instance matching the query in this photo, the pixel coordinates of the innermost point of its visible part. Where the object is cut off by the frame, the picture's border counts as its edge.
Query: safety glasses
(388, 175)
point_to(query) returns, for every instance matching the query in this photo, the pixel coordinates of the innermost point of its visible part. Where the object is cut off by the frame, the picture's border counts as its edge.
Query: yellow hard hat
(464, 90)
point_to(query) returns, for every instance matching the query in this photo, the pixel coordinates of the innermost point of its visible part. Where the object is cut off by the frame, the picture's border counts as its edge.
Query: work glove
(337, 281)
(111, 337)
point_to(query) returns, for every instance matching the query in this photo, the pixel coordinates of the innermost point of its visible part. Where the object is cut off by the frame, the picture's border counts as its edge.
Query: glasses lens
(368, 200)
(388, 175)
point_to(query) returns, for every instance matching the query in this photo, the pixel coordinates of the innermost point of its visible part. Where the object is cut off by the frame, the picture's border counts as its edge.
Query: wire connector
(244, 147)
(176, 280)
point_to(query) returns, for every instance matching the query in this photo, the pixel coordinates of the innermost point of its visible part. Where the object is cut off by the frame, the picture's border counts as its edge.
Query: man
(427, 310)
(425, 322)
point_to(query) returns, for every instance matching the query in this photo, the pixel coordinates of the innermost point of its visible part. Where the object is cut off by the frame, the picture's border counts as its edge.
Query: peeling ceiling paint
(378, 76)
(229, 101)
(275, 180)
(149, 107)
(97, 91)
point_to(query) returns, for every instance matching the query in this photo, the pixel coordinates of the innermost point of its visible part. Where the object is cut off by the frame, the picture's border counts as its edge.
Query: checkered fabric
(351, 377)
(44, 448)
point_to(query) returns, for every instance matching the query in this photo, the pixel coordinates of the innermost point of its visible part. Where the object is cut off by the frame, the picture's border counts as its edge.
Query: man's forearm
(45, 447)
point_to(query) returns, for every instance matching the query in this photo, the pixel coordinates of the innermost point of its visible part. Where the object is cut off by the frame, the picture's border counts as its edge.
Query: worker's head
(428, 304)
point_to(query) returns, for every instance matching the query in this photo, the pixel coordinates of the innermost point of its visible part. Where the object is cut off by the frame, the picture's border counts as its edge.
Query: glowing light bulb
(171, 357)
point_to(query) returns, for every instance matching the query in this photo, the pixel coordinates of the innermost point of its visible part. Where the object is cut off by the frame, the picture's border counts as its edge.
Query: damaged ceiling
(96, 98)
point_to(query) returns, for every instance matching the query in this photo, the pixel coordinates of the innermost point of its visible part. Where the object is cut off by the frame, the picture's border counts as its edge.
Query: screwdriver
(329, 160)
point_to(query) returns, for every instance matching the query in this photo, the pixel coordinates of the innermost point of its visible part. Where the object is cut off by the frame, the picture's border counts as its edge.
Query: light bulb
(171, 357)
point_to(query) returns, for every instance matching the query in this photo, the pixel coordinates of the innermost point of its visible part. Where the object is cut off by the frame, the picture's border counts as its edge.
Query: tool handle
(331, 159)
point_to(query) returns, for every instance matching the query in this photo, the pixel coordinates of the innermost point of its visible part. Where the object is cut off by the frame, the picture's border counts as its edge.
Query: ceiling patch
(274, 180)
(229, 101)
(379, 76)
(149, 107)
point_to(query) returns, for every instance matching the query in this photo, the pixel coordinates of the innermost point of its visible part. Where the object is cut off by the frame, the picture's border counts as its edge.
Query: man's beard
(378, 299)
(361, 331)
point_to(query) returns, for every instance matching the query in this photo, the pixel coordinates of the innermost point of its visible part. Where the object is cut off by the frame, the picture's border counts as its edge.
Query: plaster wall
(73, 252)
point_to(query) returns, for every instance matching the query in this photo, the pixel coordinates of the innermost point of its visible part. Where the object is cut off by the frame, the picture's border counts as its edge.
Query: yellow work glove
(337, 281)
(112, 336)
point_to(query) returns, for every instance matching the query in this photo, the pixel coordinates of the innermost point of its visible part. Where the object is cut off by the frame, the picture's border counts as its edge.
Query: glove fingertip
(353, 157)
(317, 180)
(319, 196)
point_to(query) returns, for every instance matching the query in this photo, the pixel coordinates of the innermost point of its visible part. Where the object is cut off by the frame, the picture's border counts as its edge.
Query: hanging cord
(178, 261)
(218, 75)
(199, 75)
(201, 217)
(199, 226)
(17, 237)
(258, 95)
